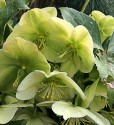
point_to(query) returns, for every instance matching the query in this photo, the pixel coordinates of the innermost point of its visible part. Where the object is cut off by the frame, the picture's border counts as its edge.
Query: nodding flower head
(105, 23)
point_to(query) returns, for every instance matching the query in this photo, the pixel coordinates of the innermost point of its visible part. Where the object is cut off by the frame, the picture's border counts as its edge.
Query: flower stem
(85, 5)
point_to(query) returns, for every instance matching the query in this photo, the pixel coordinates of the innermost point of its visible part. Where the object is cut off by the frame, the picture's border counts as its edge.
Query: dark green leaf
(111, 97)
(105, 6)
(105, 62)
(10, 10)
(76, 4)
(19, 122)
(79, 18)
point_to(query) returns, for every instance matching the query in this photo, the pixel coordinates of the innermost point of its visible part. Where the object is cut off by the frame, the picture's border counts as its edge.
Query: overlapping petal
(105, 23)
(81, 51)
(55, 86)
(67, 110)
(18, 58)
(51, 34)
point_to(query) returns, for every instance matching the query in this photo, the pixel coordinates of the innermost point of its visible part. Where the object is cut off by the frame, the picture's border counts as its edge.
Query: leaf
(78, 18)
(105, 6)
(111, 47)
(102, 66)
(18, 122)
(16, 105)
(105, 62)
(76, 4)
(6, 114)
(45, 103)
(67, 110)
(90, 93)
(111, 96)
(10, 10)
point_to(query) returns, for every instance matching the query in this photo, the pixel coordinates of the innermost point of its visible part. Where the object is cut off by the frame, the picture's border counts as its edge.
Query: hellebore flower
(55, 86)
(30, 24)
(67, 110)
(79, 53)
(57, 40)
(105, 23)
(18, 58)
(50, 34)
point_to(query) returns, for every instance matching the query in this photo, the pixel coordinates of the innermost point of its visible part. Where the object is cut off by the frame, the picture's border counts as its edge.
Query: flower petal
(51, 10)
(67, 110)
(83, 43)
(71, 66)
(28, 87)
(26, 54)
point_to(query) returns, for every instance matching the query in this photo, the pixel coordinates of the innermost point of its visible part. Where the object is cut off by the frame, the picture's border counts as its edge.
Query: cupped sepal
(55, 86)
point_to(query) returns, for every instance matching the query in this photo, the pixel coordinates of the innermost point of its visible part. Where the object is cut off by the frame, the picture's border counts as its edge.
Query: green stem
(85, 5)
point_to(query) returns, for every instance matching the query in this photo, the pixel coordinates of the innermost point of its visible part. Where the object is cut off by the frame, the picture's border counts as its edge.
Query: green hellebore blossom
(51, 34)
(79, 53)
(18, 58)
(55, 86)
(105, 23)
(67, 110)
(30, 24)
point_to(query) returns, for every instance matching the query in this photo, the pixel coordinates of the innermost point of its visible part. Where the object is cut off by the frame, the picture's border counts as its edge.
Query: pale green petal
(81, 35)
(54, 86)
(97, 15)
(59, 36)
(86, 59)
(25, 31)
(16, 56)
(55, 46)
(26, 54)
(83, 43)
(71, 66)
(67, 110)
(6, 114)
(107, 21)
(63, 78)
(32, 79)
(34, 17)
(7, 67)
(28, 87)
(51, 10)
(7, 77)
(106, 26)
(58, 26)
(27, 94)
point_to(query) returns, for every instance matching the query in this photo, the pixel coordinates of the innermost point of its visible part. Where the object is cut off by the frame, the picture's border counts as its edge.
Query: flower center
(52, 90)
(41, 40)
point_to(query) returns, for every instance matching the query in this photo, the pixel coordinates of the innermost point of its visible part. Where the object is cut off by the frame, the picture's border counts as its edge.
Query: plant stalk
(85, 5)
